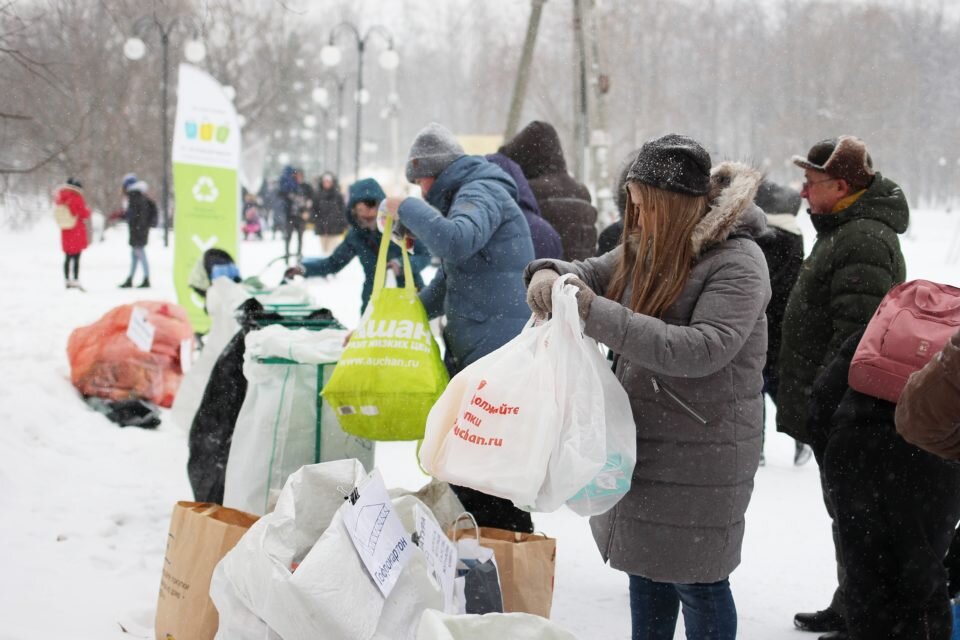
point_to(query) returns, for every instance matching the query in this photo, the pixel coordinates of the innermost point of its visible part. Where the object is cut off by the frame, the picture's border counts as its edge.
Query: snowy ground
(85, 505)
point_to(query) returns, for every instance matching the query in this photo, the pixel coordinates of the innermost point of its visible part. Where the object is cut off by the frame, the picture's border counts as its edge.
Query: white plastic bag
(595, 405)
(244, 581)
(579, 452)
(494, 426)
(435, 625)
(223, 298)
(613, 480)
(297, 572)
(526, 422)
(276, 430)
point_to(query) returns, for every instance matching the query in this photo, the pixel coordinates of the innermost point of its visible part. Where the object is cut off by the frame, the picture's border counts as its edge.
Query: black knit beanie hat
(673, 163)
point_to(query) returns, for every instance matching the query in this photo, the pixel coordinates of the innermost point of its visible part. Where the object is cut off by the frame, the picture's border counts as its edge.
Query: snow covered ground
(85, 505)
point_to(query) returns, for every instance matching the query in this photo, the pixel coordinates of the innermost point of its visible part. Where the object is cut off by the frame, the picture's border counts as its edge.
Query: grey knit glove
(585, 296)
(540, 292)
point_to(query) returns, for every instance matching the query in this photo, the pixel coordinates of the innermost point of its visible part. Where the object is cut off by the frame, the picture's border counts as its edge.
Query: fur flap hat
(673, 163)
(845, 158)
(433, 150)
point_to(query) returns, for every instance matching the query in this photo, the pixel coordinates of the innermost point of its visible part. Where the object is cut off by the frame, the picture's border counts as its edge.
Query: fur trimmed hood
(733, 186)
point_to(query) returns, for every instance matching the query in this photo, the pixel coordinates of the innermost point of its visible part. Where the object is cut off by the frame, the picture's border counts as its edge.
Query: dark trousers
(837, 602)
(895, 510)
(709, 612)
(289, 231)
(71, 259)
(491, 511)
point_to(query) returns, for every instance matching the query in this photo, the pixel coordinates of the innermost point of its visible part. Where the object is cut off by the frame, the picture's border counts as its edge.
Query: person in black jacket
(895, 507)
(782, 246)
(141, 214)
(329, 213)
(610, 237)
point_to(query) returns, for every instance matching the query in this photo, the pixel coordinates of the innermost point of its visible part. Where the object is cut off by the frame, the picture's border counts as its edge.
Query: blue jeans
(138, 254)
(708, 610)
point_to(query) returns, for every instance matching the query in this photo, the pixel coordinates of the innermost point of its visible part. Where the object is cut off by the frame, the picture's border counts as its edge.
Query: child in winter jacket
(72, 216)
(363, 241)
(681, 303)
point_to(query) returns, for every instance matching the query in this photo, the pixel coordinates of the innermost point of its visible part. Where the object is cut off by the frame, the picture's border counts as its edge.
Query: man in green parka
(858, 215)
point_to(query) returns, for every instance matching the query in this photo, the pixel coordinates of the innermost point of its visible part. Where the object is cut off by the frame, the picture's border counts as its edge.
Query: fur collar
(733, 186)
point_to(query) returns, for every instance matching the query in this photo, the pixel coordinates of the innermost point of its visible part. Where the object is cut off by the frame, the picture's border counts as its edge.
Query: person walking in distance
(140, 214)
(72, 214)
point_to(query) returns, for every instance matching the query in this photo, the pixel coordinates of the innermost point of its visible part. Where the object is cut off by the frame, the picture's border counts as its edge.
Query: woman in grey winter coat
(681, 303)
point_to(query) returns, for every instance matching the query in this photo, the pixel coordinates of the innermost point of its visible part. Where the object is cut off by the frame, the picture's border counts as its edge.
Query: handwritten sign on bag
(441, 554)
(376, 532)
(140, 331)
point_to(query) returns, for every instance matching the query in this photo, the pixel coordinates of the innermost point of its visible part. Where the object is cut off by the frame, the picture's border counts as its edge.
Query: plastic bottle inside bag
(400, 235)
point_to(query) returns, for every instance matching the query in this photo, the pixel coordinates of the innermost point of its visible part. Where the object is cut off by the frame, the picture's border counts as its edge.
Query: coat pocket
(661, 389)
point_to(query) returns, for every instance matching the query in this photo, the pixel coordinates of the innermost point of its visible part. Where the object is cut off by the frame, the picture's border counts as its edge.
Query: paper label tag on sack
(441, 554)
(186, 354)
(140, 331)
(377, 533)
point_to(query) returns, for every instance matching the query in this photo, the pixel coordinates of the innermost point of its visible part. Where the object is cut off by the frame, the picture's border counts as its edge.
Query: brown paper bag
(200, 535)
(526, 563)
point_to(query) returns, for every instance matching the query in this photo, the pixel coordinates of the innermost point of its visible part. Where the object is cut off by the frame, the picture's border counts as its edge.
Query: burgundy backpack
(913, 322)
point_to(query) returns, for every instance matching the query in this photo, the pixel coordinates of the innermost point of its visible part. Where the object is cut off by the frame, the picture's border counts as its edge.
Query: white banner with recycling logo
(206, 156)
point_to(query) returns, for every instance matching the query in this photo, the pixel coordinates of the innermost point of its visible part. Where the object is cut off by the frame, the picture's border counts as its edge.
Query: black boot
(127, 283)
(835, 635)
(145, 284)
(826, 620)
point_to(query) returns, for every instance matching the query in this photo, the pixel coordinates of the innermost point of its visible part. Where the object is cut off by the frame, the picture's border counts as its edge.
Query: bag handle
(462, 516)
(210, 509)
(380, 275)
(565, 302)
(934, 300)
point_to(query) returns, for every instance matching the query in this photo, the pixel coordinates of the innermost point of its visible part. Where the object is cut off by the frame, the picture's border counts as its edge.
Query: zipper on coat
(659, 387)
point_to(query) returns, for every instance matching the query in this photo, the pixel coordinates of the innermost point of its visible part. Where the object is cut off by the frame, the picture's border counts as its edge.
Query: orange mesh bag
(104, 362)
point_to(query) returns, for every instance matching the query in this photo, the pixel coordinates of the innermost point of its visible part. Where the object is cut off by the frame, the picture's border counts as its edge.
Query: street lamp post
(194, 51)
(321, 96)
(330, 55)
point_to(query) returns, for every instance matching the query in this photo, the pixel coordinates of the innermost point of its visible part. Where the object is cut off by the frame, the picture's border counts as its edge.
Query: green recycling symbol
(205, 190)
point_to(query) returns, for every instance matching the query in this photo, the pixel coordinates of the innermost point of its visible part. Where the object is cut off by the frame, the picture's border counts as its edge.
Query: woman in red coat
(72, 213)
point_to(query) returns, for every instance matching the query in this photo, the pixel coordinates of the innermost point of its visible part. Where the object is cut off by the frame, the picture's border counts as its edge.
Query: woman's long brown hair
(657, 253)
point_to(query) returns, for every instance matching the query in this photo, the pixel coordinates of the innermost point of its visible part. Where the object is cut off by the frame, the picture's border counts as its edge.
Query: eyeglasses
(807, 184)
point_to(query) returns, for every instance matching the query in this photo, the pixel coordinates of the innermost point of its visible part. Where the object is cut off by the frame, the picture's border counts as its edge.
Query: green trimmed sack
(390, 373)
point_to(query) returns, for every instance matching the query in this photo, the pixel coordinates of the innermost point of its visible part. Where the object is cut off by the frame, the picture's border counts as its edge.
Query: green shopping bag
(390, 373)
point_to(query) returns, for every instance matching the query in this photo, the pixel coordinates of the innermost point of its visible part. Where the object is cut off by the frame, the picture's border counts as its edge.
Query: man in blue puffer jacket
(470, 219)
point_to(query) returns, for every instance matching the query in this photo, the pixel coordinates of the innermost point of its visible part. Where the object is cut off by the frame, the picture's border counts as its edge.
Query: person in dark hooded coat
(564, 202)
(546, 240)
(470, 219)
(363, 242)
(329, 213)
